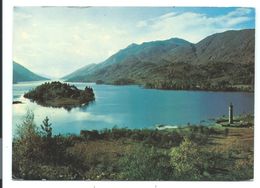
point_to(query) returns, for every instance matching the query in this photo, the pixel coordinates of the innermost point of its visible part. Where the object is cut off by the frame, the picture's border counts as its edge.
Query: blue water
(133, 107)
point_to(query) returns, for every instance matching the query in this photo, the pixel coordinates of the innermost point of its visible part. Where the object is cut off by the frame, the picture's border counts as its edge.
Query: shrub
(26, 148)
(145, 163)
(33, 149)
(187, 161)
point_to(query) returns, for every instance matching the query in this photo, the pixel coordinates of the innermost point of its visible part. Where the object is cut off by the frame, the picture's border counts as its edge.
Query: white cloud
(191, 26)
(142, 24)
(240, 12)
(20, 16)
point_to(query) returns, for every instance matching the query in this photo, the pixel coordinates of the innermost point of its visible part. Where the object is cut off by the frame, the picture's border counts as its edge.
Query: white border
(225, 3)
(7, 91)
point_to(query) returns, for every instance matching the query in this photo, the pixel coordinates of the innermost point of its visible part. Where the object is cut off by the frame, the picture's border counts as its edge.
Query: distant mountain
(20, 74)
(220, 60)
(81, 72)
(148, 51)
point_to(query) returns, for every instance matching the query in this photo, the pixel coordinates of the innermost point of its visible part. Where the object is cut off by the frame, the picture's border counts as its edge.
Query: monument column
(230, 119)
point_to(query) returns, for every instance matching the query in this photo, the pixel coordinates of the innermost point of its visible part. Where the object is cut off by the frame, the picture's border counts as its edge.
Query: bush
(198, 134)
(26, 148)
(123, 154)
(187, 161)
(33, 149)
(145, 163)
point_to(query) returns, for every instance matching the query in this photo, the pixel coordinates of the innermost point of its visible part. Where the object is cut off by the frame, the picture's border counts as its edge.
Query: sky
(55, 41)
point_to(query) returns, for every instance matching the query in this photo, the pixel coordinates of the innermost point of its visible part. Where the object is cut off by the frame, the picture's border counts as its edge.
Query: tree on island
(57, 94)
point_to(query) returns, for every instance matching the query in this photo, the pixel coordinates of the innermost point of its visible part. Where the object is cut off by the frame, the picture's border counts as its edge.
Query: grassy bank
(189, 153)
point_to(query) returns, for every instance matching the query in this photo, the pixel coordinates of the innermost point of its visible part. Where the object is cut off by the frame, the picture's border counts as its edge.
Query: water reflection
(58, 116)
(133, 107)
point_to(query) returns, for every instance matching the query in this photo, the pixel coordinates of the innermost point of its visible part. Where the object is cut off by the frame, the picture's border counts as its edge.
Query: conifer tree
(46, 128)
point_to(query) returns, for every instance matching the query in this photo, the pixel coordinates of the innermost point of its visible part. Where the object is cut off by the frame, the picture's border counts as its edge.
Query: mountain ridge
(134, 49)
(225, 58)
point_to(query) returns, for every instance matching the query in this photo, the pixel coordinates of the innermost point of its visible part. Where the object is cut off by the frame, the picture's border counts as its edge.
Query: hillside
(20, 74)
(81, 72)
(148, 51)
(222, 61)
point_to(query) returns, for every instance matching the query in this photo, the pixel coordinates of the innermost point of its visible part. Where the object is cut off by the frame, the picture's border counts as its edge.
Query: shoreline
(143, 86)
(167, 89)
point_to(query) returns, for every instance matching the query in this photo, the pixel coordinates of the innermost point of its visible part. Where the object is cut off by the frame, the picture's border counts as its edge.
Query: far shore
(244, 88)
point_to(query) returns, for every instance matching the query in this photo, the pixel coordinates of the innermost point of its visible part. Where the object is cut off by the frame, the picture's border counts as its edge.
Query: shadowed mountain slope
(21, 74)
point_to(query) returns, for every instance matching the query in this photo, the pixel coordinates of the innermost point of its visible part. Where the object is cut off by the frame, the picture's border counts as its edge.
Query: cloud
(240, 12)
(192, 26)
(63, 45)
(56, 41)
(142, 24)
(20, 16)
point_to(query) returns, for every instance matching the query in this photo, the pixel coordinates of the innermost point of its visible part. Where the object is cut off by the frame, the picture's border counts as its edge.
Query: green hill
(20, 74)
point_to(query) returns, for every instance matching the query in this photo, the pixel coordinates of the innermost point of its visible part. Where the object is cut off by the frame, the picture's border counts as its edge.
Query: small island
(57, 94)
(17, 102)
